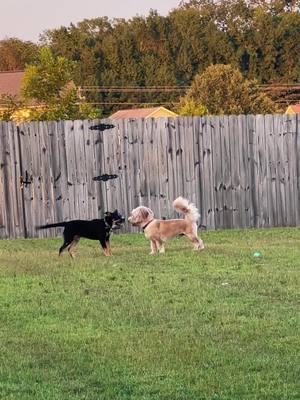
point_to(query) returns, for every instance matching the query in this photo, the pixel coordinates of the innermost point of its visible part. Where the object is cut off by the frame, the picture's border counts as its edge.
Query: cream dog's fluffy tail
(188, 209)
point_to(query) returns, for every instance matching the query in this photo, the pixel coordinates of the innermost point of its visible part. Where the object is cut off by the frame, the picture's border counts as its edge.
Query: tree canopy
(15, 54)
(221, 89)
(260, 38)
(48, 84)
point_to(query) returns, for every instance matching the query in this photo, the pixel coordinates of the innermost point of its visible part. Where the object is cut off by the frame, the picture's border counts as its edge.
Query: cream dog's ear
(150, 212)
(145, 213)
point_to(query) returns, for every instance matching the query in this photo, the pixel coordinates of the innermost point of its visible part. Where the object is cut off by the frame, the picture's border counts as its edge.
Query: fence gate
(58, 161)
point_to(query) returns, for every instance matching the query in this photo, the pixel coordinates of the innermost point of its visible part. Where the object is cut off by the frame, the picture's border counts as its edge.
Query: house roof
(141, 113)
(10, 82)
(295, 108)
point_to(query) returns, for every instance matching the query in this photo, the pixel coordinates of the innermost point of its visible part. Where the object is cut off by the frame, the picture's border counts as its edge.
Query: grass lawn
(219, 324)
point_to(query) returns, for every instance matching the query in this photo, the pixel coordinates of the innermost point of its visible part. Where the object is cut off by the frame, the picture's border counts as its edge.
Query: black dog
(97, 229)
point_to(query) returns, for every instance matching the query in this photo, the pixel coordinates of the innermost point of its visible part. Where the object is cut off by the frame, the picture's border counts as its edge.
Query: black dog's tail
(51, 225)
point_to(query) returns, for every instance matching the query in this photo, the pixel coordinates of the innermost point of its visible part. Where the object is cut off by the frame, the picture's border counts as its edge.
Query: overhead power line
(285, 93)
(131, 103)
(133, 89)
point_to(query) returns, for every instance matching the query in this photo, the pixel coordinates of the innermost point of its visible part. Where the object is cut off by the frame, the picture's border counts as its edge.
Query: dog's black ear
(107, 213)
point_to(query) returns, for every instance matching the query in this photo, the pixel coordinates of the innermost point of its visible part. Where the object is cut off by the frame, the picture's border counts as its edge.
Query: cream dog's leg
(201, 245)
(153, 247)
(161, 246)
(198, 243)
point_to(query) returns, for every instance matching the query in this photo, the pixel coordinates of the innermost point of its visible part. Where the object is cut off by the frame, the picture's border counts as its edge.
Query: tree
(288, 45)
(49, 83)
(15, 54)
(190, 108)
(259, 37)
(44, 80)
(221, 89)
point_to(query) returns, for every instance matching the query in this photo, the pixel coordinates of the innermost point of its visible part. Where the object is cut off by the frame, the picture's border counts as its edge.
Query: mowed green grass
(217, 324)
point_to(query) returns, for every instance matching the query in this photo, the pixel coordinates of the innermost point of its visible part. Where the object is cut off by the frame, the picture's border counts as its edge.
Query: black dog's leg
(72, 245)
(107, 236)
(68, 239)
(106, 249)
(64, 246)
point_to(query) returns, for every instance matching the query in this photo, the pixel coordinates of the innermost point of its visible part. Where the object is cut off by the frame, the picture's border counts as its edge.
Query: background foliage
(261, 39)
(221, 89)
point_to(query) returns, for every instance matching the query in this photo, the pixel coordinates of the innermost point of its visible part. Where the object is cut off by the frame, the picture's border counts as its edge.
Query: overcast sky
(27, 19)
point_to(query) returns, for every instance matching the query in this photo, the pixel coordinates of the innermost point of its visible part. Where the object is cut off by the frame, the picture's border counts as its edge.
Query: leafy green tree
(82, 43)
(288, 46)
(49, 84)
(221, 89)
(263, 62)
(188, 107)
(44, 80)
(15, 54)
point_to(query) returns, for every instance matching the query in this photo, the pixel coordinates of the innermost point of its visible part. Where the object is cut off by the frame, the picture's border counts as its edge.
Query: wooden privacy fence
(240, 171)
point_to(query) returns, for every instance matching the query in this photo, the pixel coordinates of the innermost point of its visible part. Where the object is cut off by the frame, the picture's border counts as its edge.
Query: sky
(27, 19)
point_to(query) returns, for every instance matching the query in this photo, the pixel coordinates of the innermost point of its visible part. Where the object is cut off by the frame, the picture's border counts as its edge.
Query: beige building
(154, 112)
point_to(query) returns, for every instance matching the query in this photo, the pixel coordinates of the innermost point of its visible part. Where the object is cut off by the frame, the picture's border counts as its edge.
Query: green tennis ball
(257, 254)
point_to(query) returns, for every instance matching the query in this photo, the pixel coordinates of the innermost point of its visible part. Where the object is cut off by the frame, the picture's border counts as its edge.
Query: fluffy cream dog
(158, 230)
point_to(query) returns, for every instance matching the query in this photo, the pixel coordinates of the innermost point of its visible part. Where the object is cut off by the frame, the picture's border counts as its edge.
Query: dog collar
(107, 226)
(145, 226)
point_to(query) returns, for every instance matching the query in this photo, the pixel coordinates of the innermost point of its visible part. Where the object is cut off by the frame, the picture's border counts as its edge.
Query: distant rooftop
(10, 82)
(153, 112)
(294, 108)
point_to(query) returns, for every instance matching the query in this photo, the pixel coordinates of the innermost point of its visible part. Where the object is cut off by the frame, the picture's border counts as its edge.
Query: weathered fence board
(11, 202)
(240, 171)
(197, 166)
(297, 166)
